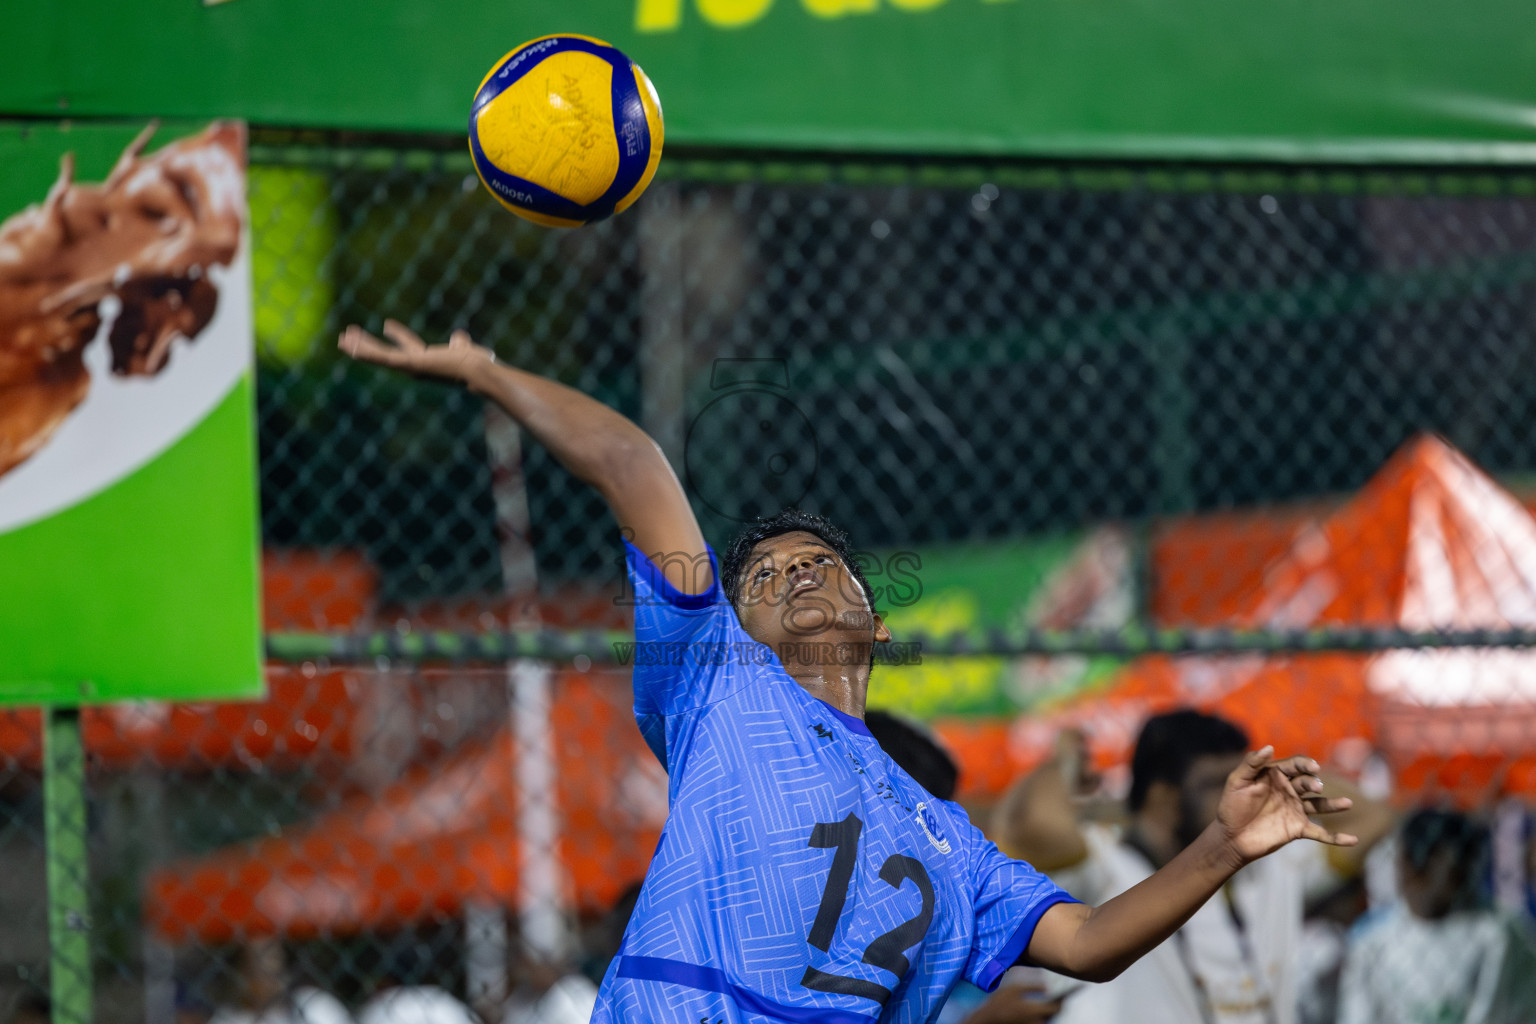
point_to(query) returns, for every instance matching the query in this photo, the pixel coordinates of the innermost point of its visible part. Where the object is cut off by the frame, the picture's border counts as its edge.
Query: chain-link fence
(1079, 405)
(977, 352)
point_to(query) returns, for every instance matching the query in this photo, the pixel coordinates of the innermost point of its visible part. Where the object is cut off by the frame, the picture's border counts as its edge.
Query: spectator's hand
(1075, 763)
(1015, 1004)
(1037, 819)
(410, 354)
(1266, 805)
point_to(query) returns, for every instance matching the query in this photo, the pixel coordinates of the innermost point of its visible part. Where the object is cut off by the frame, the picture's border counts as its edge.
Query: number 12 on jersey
(888, 952)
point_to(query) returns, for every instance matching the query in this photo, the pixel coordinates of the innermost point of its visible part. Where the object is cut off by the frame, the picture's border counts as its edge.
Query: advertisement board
(128, 514)
(1412, 80)
(1078, 580)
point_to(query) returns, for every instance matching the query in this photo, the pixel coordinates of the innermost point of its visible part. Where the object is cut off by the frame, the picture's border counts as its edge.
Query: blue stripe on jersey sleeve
(993, 972)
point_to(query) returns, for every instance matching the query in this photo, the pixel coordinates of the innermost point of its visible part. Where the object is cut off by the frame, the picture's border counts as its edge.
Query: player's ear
(882, 634)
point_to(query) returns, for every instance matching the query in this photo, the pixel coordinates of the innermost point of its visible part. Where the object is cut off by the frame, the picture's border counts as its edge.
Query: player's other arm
(1265, 806)
(598, 445)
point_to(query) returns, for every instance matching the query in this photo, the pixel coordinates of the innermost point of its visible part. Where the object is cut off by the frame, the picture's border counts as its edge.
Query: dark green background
(1268, 79)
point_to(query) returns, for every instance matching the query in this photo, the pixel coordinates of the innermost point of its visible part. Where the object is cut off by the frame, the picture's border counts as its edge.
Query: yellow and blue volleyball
(566, 130)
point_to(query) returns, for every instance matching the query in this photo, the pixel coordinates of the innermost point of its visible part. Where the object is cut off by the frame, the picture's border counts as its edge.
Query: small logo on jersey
(930, 824)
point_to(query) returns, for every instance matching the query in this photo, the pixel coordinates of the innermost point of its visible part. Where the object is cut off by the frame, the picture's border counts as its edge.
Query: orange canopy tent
(441, 838)
(1430, 543)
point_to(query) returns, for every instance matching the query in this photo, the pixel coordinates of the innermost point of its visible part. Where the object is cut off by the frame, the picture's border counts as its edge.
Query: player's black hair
(1428, 833)
(915, 752)
(790, 520)
(1170, 743)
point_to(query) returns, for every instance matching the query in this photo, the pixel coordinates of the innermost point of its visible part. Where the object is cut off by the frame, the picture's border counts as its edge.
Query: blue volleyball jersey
(801, 875)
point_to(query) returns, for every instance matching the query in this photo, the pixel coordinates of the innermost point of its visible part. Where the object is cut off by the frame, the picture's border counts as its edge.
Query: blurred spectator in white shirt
(415, 1004)
(1439, 954)
(1235, 961)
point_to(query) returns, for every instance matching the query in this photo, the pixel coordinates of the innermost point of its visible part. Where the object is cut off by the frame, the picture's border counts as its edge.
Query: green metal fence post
(68, 870)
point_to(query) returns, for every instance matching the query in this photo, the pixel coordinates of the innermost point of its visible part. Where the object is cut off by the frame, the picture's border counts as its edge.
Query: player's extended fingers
(403, 336)
(1306, 786)
(1326, 805)
(1254, 764)
(359, 344)
(1316, 832)
(1298, 765)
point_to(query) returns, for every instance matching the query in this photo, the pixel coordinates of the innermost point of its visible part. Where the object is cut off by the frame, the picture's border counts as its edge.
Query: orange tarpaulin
(1431, 542)
(444, 836)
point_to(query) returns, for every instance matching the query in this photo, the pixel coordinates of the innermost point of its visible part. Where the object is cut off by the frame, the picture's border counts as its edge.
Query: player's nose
(806, 561)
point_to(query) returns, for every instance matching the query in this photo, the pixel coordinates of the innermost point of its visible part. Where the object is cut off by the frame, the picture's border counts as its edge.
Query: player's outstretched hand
(409, 353)
(1267, 804)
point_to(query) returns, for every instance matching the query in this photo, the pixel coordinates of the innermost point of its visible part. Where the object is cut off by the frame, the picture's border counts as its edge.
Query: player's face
(797, 590)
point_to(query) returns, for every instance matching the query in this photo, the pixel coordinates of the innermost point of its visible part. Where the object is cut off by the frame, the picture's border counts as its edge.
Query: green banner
(128, 517)
(1416, 80)
(1071, 581)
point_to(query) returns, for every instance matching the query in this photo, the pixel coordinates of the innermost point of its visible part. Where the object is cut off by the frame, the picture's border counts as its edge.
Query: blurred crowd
(1402, 928)
(1398, 929)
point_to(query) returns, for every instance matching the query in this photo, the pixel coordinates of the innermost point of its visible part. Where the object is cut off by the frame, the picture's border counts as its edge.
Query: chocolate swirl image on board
(144, 238)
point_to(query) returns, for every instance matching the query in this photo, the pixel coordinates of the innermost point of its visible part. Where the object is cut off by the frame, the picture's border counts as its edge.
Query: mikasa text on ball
(566, 130)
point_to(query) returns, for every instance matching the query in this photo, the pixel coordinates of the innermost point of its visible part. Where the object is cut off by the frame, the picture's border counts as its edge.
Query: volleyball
(566, 130)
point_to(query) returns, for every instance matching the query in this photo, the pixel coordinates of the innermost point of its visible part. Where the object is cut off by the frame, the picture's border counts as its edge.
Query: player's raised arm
(598, 445)
(1266, 804)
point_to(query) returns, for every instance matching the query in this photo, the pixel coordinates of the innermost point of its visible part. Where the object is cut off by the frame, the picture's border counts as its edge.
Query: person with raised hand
(1193, 780)
(801, 874)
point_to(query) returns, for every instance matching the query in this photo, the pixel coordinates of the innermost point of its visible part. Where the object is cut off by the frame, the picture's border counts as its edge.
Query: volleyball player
(802, 876)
